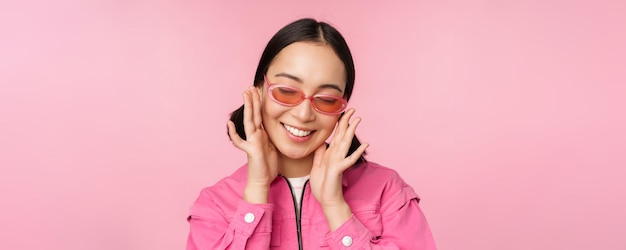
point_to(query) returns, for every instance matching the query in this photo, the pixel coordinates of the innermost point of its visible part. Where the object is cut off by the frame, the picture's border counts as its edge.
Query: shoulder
(226, 191)
(368, 172)
(230, 183)
(370, 180)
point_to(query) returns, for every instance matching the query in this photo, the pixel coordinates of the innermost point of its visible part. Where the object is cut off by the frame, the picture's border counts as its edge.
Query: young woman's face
(313, 69)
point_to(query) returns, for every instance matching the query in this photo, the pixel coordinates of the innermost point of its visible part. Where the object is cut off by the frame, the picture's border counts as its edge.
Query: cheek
(270, 110)
(329, 122)
(265, 111)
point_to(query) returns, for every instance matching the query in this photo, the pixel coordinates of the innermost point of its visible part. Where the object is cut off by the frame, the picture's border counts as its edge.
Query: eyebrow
(323, 86)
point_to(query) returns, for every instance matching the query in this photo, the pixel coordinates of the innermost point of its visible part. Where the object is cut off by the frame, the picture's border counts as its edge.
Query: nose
(304, 111)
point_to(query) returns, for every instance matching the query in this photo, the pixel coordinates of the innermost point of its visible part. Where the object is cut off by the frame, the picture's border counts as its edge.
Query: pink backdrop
(506, 116)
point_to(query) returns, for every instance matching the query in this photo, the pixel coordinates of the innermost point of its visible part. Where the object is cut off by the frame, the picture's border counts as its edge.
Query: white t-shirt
(297, 188)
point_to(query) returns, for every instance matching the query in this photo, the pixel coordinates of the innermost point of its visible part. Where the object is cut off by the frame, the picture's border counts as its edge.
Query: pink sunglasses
(289, 96)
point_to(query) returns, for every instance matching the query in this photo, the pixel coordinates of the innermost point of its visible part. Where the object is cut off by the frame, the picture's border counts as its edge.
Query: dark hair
(303, 30)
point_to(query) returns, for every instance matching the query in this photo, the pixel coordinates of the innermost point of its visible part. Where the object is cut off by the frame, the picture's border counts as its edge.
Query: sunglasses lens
(286, 95)
(323, 103)
(328, 104)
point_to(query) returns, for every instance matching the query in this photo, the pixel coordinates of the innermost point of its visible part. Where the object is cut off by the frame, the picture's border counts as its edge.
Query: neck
(292, 168)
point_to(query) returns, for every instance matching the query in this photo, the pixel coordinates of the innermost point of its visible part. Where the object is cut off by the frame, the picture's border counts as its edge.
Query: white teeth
(297, 132)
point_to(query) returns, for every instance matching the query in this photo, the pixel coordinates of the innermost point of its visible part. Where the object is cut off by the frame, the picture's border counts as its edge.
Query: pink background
(507, 117)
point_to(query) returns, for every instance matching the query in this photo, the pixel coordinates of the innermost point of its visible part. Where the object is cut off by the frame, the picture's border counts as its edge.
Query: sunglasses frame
(272, 86)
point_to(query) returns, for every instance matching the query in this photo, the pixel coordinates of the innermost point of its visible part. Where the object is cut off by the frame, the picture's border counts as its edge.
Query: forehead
(313, 63)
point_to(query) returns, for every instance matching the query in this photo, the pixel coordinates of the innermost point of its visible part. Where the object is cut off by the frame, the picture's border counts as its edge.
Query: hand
(262, 155)
(328, 167)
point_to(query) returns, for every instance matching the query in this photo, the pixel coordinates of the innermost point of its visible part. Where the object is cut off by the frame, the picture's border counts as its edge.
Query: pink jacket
(386, 215)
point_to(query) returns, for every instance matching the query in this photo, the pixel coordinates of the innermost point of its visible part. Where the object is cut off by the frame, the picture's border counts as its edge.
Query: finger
(342, 125)
(349, 134)
(256, 107)
(356, 155)
(232, 133)
(344, 139)
(344, 142)
(248, 123)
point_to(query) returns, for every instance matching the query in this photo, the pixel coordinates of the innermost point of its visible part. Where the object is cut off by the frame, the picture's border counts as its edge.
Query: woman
(297, 191)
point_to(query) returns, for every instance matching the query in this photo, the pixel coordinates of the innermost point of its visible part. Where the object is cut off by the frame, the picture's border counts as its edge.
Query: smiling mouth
(297, 132)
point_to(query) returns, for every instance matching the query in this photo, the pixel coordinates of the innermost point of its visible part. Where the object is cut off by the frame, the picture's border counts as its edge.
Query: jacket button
(346, 241)
(249, 217)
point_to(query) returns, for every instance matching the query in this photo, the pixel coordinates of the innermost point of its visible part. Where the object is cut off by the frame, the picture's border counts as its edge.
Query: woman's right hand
(262, 155)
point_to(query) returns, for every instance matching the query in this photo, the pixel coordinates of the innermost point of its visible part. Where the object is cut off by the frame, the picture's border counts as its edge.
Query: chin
(295, 152)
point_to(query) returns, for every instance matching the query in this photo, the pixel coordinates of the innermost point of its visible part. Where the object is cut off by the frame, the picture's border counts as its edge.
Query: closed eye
(287, 91)
(327, 99)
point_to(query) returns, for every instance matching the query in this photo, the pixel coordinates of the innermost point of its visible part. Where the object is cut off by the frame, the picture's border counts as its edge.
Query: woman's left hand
(328, 167)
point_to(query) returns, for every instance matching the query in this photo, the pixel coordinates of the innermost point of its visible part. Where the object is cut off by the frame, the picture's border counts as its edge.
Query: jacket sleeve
(404, 226)
(249, 228)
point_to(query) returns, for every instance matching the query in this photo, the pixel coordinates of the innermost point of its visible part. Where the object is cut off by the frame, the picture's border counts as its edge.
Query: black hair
(303, 30)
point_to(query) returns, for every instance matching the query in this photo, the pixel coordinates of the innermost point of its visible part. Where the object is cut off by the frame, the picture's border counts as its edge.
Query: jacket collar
(344, 179)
